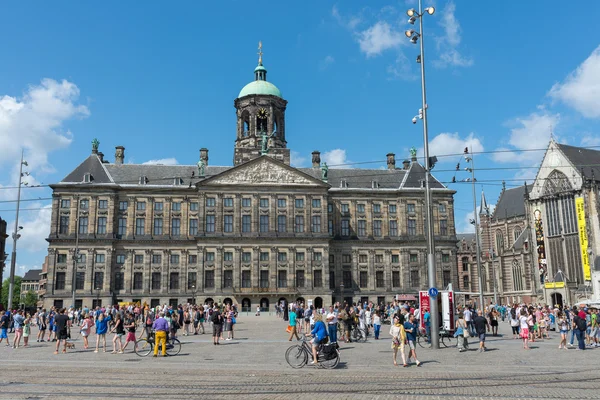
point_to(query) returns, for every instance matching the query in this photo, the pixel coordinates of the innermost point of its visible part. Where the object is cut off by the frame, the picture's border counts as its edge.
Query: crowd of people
(334, 324)
(122, 322)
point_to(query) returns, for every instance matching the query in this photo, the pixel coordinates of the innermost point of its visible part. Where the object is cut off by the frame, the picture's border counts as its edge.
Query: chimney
(119, 154)
(101, 156)
(391, 161)
(316, 159)
(405, 164)
(204, 155)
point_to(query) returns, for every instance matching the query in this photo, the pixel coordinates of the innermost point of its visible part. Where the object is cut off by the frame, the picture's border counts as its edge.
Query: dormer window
(177, 181)
(87, 177)
(344, 184)
(374, 185)
(143, 180)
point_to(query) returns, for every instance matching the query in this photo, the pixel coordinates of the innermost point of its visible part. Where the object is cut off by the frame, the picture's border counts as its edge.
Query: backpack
(148, 320)
(581, 324)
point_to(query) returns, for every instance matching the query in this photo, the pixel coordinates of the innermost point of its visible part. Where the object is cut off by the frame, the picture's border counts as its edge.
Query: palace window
(176, 206)
(155, 281)
(83, 225)
(119, 280)
(282, 278)
(210, 202)
(264, 279)
(281, 223)
(228, 256)
(193, 227)
(393, 228)
(246, 202)
(396, 279)
(174, 281)
(281, 203)
(228, 202)
(362, 227)
(317, 278)
(228, 278)
(246, 223)
(99, 258)
(209, 279)
(379, 280)
(360, 208)
(316, 224)
(123, 205)
(300, 278)
(156, 258)
(158, 206)
(246, 256)
(299, 228)
(345, 227)
(246, 282)
(443, 227)
(264, 223)
(191, 280)
(264, 203)
(228, 223)
(64, 224)
(299, 203)
(377, 208)
(98, 280)
(363, 280)
(138, 259)
(392, 209)
(158, 226)
(316, 203)
(210, 224)
(300, 256)
(65, 203)
(138, 279)
(411, 227)
(140, 225)
(102, 204)
(377, 228)
(101, 225)
(140, 206)
(175, 227)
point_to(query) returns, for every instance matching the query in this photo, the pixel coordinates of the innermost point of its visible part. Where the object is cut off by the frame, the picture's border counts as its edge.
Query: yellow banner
(583, 240)
(554, 285)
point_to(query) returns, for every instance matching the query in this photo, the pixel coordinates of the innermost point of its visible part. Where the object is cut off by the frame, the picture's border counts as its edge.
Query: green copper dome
(260, 87)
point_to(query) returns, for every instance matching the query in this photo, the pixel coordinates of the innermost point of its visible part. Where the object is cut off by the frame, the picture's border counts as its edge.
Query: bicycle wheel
(331, 363)
(296, 356)
(143, 347)
(444, 340)
(173, 347)
(362, 335)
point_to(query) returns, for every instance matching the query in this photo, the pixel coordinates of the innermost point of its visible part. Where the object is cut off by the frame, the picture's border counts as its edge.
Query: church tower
(485, 220)
(260, 111)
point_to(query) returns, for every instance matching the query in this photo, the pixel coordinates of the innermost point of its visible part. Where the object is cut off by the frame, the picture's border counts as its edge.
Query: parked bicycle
(358, 334)
(144, 347)
(297, 356)
(446, 338)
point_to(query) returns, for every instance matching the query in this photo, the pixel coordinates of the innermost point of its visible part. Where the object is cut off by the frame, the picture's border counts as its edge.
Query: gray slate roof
(32, 275)
(165, 175)
(585, 160)
(520, 242)
(511, 203)
(92, 165)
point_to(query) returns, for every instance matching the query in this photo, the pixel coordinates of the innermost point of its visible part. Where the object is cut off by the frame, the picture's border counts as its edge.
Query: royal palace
(253, 233)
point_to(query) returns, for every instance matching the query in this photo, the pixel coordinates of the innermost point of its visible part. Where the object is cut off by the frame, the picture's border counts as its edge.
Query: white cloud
(350, 22)
(162, 161)
(378, 38)
(296, 160)
(452, 143)
(536, 125)
(464, 225)
(36, 228)
(447, 44)
(335, 158)
(581, 89)
(326, 62)
(35, 122)
(401, 69)
(590, 140)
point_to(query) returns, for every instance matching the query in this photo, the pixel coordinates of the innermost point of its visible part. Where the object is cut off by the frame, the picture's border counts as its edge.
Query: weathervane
(260, 53)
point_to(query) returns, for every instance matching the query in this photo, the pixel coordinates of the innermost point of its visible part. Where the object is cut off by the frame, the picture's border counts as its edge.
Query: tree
(31, 298)
(16, 292)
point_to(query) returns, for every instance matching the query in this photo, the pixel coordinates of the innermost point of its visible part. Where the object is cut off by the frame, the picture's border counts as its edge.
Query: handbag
(233, 321)
(459, 331)
(289, 329)
(466, 333)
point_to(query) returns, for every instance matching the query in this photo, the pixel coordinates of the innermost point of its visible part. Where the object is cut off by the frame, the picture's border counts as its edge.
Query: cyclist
(320, 333)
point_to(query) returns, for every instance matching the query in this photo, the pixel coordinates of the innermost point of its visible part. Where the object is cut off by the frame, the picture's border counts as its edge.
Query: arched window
(556, 182)
(499, 242)
(245, 123)
(516, 233)
(466, 283)
(275, 133)
(517, 275)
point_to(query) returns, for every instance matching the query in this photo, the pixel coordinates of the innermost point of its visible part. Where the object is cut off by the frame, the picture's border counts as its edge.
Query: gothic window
(569, 217)
(556, 182)
(516, 233)
(517, 275)
(499, 241)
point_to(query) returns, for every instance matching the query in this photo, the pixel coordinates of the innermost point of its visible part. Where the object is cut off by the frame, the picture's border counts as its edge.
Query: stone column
(273, 268)
(372, 275)
(108, 272)
(255, 268)
(219, 270)
(200, 283)
(147, 273)
(292, 269)
(325, 270)
(237, 266)
(308, 278)
(387, 270)
(128, 273)
(201, 214)
(237, 214)
(164, 271)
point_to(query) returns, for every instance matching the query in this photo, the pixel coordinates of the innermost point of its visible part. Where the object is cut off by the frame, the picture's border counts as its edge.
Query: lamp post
(471, 169)
(194, 293)
(431, 273)
(16, 235)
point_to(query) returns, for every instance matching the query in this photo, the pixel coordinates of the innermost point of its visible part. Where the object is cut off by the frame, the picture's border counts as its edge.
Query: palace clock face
(262, 113)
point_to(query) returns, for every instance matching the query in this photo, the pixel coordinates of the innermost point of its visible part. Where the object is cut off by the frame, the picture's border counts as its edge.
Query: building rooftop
(33, 275)
(511, 203)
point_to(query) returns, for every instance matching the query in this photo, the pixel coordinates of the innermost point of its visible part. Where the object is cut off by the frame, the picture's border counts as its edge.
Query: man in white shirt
(332, 325)
(468, 319)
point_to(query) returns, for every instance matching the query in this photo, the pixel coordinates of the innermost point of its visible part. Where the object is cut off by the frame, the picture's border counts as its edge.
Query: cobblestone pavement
(253, 366)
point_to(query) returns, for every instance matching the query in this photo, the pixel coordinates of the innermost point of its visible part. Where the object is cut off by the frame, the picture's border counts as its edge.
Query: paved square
(253, 366)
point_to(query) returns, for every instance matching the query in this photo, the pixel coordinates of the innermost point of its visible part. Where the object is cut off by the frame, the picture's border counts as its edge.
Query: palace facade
(254, 233)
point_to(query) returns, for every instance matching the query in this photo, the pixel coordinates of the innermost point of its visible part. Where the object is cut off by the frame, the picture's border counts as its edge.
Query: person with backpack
(307, 316)
(130, 326)
(148, 321)
(579, 327)
(4, 323)
(217, 323)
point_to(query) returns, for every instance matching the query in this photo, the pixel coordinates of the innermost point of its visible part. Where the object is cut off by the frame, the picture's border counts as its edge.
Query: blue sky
(160, 78)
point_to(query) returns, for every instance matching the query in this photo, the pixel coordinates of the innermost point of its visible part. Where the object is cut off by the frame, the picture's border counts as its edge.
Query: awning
(406, 297)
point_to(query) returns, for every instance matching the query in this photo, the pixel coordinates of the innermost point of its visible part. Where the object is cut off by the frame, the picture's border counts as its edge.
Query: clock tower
(260, 111)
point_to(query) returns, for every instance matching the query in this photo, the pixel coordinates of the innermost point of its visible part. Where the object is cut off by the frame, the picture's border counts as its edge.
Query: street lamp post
(431, 273)
(16, 235)
(471, 169)
(194, 293)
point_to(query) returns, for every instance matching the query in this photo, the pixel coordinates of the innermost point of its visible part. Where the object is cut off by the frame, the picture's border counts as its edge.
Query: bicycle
(358, 334)
(297, 356)
(144, 347)
(444, 335)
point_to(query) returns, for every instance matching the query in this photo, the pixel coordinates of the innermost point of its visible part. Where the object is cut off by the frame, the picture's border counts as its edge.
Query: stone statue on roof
(201, 167)
(413, 151)
(95, 144)
(324, 172)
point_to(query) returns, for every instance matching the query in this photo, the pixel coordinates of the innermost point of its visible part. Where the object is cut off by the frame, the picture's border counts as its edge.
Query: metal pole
(491, 254)
(13, 260)
(433, 306)
(477, 244)
(76, 254)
